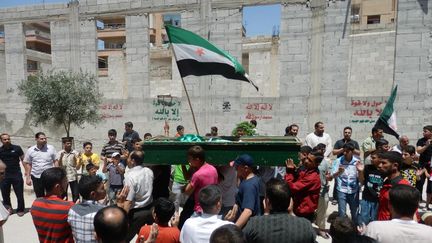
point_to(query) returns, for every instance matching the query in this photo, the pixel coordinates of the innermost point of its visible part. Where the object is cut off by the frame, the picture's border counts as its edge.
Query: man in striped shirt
(80, 218)
(50, 213)
(113, 146)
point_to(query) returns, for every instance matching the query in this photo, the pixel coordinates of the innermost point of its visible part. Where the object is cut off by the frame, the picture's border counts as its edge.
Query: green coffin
(265, 150)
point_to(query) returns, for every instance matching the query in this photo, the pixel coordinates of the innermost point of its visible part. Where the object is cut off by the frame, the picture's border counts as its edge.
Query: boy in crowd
(324, 170)
(409, 170)
(162, 212)
(305, 185)
(345, 170)
(80, 216)
(372, 180)
(116, 172)
(68, 160)
(247, 198)
(88, 157)
(205, 174)
(389, 166)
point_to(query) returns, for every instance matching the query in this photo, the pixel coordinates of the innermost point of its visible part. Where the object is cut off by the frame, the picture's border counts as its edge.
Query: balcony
(111, 30)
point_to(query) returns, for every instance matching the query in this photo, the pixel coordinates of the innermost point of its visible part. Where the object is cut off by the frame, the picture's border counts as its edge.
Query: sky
(258, 20)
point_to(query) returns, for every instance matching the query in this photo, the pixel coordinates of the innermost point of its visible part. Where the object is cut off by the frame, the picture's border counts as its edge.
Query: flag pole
(189, 102)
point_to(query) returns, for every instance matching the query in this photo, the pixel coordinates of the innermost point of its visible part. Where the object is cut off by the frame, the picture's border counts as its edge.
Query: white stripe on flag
(392, 121)
(185, 51)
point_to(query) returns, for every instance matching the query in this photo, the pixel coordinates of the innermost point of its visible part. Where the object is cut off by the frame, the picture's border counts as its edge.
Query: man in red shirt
(389, 165)
(305, 185)
(50, 213)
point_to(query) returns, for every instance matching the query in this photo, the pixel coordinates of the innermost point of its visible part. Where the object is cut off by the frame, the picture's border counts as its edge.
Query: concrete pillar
(61, 50)
(137, 56)
(88, 46)
(15, 55)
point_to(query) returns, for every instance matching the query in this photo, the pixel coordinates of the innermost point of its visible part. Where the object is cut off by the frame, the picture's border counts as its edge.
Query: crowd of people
(116, 197)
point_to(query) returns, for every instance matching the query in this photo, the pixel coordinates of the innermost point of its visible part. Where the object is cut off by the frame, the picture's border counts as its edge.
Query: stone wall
(318, 70)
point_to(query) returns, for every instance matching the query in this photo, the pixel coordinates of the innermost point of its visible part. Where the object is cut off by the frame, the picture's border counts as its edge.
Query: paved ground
(21, 229)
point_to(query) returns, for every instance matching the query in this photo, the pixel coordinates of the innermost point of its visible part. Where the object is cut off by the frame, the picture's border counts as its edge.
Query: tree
(62, 97)
(247, 127)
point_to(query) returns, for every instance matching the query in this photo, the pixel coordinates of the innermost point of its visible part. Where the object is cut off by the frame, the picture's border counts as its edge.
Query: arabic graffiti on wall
(366, 110)
(111, 110)
(168, 110)
(259, 111)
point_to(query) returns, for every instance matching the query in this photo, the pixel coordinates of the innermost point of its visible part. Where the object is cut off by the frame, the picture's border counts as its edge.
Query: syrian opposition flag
(196, 56)
(387, 119)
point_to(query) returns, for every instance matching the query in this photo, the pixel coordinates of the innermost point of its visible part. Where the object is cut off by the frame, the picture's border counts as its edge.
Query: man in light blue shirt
(345, 170)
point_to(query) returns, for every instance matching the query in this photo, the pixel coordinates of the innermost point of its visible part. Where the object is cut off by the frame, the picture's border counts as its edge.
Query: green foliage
(62, 97)
(247, 127)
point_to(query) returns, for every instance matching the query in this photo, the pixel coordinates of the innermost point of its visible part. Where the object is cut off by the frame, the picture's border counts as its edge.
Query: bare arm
(188, 189)
(104, 166)
(244, 217)
(421, 149)
(337, 151)
(120, 169)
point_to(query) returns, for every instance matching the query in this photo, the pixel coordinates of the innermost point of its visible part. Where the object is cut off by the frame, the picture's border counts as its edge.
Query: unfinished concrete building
(330, 61)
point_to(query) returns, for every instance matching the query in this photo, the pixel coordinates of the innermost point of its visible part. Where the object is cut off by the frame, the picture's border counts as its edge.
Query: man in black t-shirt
(409, 170)
(12, 155)
(372, 179)
(424, 148)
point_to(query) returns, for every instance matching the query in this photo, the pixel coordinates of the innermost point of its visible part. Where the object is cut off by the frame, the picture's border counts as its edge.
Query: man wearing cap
(116, 171)
(247, 199)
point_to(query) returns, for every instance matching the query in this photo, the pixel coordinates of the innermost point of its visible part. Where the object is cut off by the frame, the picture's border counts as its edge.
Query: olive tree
(62, 97)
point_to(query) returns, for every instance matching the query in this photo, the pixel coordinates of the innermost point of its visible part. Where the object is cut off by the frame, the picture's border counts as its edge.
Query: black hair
(428, 127)
(345, 128)
(87, 143)
(37, 135)
(196, 152)
(138, 157)
(317, 124)
(147, 134)
(136, 140)
(111, 230)
(229, 233)
(381, 142)
(349, 146)
(318, 157)
(179, 127)
(305, 149)
(209, 196)
(90, 166)
(129, 124)
(376, 129)
(112, 132)
(404, 199)
(164, 210)
(52, 176)
(88, 184)
(66, 140)
(392, 157)
(253, 122)
(342, 230)
(409, 149)
(279, 195)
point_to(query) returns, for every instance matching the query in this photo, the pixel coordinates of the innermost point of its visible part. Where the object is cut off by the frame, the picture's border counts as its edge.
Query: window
(373, 19)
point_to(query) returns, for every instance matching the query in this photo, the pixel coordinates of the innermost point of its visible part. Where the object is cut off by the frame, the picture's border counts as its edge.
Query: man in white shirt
(404, 201)
(139, 180)
(38, 158)
(199, 229)
(319, 136)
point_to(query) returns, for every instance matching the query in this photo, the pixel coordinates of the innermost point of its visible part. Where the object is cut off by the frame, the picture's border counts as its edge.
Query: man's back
(401, 231)
(279, 227)
(80, 218)
(199, 229)
(50, 219)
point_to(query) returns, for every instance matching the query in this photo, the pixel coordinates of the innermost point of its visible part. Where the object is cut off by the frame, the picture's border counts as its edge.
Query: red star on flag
(199, 51)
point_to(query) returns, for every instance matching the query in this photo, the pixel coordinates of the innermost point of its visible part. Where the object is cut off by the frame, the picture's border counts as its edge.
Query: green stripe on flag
(181, 36)
(388, 109)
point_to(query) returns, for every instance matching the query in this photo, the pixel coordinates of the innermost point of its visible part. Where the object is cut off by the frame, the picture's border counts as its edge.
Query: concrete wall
(315, 72)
